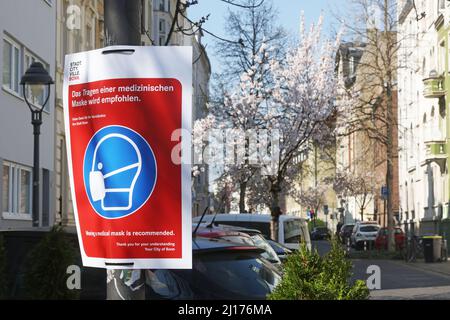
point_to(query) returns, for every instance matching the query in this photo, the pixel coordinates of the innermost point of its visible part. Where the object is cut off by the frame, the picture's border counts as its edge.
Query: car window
(348, 228)
(279, 249)
(293, 231)
(163, 284)
(369, 228)
(268, 253)
(232, 276)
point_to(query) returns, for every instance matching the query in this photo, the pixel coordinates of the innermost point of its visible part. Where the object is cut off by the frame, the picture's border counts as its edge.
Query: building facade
(361, 153)
(79, 27)
(424, 128)
(22, 44)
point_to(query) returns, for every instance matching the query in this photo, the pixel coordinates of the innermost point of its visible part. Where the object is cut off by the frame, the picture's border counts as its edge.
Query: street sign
(127, 113)
(325, 209)
(384, 192)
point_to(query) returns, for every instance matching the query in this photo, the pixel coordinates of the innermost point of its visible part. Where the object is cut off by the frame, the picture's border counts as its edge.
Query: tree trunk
(242, 193)
(389, 131)
(275, 212)
(389, 173)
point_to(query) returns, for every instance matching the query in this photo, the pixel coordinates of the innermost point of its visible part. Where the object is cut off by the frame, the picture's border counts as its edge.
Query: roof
(245, 217)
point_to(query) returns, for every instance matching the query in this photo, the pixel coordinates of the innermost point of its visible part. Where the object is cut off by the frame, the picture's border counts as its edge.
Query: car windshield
(369, 228)
(348, 228)
(268, 253)
(293, 231)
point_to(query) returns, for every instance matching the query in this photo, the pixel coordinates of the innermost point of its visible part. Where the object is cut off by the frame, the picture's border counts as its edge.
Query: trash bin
(432, 246)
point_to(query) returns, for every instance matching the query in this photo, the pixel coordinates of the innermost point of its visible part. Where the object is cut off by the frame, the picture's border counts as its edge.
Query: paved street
(403, 281)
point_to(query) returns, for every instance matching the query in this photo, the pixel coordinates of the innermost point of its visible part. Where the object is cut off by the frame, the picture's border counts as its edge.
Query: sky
(289, 17)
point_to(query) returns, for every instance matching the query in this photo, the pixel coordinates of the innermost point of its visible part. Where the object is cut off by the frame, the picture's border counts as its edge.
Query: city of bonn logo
(119, 172)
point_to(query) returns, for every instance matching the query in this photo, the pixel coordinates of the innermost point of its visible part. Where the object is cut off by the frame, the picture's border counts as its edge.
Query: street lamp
(34, 81)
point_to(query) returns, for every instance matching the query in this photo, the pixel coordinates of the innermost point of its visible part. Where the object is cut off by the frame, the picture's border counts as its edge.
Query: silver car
(364, 234)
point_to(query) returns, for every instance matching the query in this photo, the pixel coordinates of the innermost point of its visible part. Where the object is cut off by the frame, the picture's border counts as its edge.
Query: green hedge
(3, 275)
(308, 276)
(46, 266)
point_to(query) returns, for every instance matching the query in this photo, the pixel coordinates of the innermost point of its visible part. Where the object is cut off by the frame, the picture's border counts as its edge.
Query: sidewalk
(442, 268)
(429, 293)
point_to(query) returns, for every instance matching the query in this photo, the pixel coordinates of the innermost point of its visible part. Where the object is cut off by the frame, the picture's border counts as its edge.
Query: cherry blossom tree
(301, 104)
(233, 120)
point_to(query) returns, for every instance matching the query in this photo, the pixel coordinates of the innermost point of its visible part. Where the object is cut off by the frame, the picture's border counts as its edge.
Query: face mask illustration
(98, 178)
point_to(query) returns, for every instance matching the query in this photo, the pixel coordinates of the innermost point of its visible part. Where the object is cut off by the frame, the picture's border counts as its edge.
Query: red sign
(128, 191)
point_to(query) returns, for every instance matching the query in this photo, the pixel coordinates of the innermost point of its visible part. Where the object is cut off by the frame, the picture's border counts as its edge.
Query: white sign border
(163, 62)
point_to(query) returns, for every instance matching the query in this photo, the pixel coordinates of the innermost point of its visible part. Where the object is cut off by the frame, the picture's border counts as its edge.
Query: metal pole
(123, 27)
(122, 22)
(36, 121)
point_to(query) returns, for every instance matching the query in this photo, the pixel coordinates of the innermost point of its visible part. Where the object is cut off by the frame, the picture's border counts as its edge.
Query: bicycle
(414, 248)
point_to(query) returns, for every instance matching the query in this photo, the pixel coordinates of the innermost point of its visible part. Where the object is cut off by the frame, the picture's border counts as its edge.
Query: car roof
(246, 217)
(208, 232)
(209, 245)
(239, 229)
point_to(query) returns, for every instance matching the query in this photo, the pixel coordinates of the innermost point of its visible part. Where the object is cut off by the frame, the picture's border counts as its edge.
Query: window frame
(14, 192)
(13, 81)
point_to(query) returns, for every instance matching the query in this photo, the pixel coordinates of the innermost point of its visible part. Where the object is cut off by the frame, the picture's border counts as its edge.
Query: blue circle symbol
(119, 172)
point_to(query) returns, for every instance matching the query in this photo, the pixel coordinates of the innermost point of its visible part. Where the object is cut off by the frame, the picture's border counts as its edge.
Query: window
(11, 65)
(162, 26)
(89, 45)
(17, 189)
(442, 57)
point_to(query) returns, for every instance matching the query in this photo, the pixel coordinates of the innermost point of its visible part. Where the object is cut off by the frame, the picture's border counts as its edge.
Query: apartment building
(28, 31)
(423, 114)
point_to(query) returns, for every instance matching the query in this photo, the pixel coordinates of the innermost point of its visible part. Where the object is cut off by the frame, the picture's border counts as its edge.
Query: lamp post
(35, 79)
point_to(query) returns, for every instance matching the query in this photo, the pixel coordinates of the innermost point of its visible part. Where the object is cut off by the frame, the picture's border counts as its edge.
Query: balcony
(434, 87)
(436, 151)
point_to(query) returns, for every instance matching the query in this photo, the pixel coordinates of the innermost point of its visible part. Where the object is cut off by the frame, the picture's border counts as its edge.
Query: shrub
(3, 270)
(46, 265)
(308, 276)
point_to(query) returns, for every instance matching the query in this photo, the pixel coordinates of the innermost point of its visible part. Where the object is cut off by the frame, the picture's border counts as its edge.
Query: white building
(423, 113)
(28, 34)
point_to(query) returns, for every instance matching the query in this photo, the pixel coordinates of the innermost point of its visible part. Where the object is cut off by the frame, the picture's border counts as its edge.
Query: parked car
(221, 270)
(381, 241)
(292, 230)
(241, 236)
(282, 251)
(364, 233)
(263, 242)
(346, 232)
(320, 233)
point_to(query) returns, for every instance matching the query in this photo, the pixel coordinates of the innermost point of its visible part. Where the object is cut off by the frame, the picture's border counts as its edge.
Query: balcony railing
(436, 151)
(434, 87)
